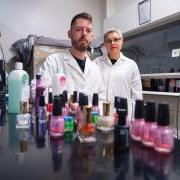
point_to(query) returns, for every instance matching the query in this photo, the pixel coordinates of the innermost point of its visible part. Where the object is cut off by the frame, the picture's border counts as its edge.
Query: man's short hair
(83, 15)
(112, 30)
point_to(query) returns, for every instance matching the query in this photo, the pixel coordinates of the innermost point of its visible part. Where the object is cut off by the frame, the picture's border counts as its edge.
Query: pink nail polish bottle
(57, 120)
(138, 123)
(163, 141)
(150, 124)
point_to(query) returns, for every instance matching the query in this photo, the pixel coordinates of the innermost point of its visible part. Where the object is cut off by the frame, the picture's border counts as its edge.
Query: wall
(51, 18)
(123, 14)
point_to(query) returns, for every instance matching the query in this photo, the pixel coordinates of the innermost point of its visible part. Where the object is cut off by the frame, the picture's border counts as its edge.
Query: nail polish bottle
(120, 103)
(163, 138)
(57, 120)
(150, 124)
(95, 109)
(74, 105)
(69, 123)
(39, 91)
(42, 109)
(65, 94)
(106, 122)
(87, 131)
(50, 105)
(83, 101)
(64, 109)
(116, 105)
(121, 132)
(138, 123)
(124, 105)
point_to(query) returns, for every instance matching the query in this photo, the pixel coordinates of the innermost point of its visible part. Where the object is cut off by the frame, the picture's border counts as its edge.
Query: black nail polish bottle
(121, 132)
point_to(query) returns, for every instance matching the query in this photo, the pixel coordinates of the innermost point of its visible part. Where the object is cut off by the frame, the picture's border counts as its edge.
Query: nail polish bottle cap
(139, 109)
(57, 107)
(81, 99)
(74, 100)
(121, 117)
(150, 111)
(85, 100)
(42, 101)
(163, 114)
(106, 108)
(95, 99)
(50, 99)
(87, 114)
(116, 101)
(65, 93)
(62, 100)
(123, 103)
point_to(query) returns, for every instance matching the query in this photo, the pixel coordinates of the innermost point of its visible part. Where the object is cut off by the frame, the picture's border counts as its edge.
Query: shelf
(161, 93)
(160, 75)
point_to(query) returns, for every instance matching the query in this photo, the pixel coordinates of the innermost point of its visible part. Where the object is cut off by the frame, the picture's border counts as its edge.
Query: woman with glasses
(120, 74)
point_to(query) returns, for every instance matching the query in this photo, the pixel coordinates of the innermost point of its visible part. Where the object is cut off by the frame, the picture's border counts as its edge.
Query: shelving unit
(161, 76)
(172, 98)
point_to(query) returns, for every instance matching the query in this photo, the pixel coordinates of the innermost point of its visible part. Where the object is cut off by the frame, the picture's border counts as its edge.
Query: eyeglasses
(115, 40)
(82, 29)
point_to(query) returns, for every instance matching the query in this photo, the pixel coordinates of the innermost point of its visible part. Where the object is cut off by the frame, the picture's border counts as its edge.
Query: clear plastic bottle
(18, 79)
(163, 138)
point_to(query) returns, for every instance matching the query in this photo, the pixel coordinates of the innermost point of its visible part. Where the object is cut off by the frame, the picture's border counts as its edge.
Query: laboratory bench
(31, 154)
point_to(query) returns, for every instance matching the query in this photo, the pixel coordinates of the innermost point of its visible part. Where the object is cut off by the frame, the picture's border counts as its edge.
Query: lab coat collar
(72, 62)
(121, 58)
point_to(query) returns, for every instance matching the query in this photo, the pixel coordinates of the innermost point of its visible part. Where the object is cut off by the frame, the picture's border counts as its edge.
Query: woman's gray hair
(112, 30)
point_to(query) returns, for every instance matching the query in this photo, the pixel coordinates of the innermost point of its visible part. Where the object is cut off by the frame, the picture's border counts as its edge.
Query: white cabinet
(172, 98)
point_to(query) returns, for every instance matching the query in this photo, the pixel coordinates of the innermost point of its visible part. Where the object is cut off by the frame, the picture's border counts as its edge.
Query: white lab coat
(121, 79)
(88, 82)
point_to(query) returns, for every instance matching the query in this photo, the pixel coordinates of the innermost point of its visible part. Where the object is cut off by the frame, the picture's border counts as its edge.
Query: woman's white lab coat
(121, 79)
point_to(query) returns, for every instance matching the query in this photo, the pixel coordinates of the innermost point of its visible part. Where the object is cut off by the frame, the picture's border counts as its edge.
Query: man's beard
(81, 44)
